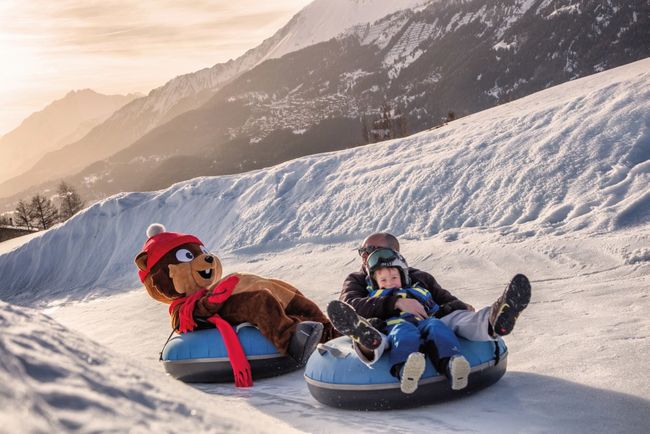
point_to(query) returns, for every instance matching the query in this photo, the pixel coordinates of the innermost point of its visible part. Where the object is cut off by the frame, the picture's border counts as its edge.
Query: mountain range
(319, 21)
(424, 61)
(63, 121)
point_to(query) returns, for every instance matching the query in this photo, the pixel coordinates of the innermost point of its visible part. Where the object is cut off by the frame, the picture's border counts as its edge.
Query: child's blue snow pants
(405, 338)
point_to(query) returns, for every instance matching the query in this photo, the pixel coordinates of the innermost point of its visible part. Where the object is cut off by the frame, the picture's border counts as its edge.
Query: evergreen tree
(390, 124)
(23, 215)
(43, 212)
(71, 202)
(365, 133)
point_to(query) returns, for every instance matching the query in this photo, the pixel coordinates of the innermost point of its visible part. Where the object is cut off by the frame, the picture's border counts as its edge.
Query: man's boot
(345, 319)
(506, 309)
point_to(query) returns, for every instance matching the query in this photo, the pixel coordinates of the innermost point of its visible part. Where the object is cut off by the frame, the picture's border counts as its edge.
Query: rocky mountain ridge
(462, 56)
(319, 21)
(61, 122)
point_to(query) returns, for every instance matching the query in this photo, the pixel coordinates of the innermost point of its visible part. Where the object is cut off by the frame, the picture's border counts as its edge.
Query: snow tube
(335, 376)
(201, 356)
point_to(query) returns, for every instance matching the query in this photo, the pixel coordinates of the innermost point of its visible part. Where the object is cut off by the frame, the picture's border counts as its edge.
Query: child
(388, 275)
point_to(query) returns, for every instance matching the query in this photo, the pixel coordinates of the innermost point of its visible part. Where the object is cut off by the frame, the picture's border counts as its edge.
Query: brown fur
(274, 306)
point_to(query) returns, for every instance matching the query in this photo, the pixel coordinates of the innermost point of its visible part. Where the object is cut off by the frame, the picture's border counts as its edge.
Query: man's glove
(450, 307)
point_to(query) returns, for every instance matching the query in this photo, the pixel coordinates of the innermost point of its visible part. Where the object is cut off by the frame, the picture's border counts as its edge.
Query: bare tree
(23, 215)
(71, 202)
(43, 212)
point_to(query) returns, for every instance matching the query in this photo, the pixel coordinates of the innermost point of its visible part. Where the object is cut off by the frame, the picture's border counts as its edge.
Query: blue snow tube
(336, 377)
(201, 356)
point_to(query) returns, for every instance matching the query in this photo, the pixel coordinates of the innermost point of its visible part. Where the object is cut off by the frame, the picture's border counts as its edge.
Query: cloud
(123, 27)
(120, 46)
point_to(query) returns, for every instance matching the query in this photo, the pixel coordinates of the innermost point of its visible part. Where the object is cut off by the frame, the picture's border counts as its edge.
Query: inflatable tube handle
(160, 358)
(323, 349)
(242, 325)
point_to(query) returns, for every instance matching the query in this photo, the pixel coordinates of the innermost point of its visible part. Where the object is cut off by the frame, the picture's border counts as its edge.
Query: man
(358, 315)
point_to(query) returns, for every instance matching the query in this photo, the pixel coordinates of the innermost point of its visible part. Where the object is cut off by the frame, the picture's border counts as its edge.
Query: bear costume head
(173, 265)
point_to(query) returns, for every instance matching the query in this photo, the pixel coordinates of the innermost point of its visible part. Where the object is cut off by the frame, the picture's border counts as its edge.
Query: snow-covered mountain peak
(319, 21)
(322, 20)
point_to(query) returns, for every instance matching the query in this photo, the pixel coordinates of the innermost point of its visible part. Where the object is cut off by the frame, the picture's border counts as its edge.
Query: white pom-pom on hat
(155, 229)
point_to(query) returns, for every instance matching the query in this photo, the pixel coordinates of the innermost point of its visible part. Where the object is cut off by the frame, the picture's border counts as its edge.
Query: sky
(120, 46)
(554, 185)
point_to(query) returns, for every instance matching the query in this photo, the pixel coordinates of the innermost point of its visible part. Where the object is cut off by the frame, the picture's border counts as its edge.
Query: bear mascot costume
(177, 269)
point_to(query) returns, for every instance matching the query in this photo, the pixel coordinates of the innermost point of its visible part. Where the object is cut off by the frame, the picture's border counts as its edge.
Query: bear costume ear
(141, 261)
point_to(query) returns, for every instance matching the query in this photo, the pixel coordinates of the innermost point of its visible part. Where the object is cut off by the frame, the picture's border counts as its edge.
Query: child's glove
(223, 290)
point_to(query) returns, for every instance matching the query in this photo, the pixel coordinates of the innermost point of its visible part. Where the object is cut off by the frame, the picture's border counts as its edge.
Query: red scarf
(240, 367)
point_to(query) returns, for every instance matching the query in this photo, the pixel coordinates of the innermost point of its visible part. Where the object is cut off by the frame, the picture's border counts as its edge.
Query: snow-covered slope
(574, 157)
(54, 380)
(554, 185)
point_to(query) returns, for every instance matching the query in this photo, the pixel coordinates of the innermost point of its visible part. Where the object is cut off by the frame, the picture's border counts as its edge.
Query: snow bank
(54, 380)
(571, 158)
(575, 358)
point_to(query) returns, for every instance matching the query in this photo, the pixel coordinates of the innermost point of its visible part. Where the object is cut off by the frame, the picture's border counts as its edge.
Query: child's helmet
(386, 257)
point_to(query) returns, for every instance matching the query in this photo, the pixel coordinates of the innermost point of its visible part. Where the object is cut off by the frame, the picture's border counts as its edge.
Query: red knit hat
(160, 243)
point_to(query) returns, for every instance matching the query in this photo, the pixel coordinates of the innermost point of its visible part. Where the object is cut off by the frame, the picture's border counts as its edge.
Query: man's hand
(413, 306)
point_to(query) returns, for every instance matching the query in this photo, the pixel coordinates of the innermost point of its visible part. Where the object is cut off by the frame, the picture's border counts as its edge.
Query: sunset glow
(120, 46)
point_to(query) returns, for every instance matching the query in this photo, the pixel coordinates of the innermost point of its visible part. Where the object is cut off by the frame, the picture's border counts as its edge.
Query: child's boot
(411, 372)
(458, 372)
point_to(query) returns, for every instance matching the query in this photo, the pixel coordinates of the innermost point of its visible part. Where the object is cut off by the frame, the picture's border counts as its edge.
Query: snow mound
(54, 380)
(575, 157)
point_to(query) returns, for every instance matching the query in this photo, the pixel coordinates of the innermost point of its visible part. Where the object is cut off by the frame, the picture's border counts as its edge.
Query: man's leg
(497, 320)
(474, 326)
(367, 356)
